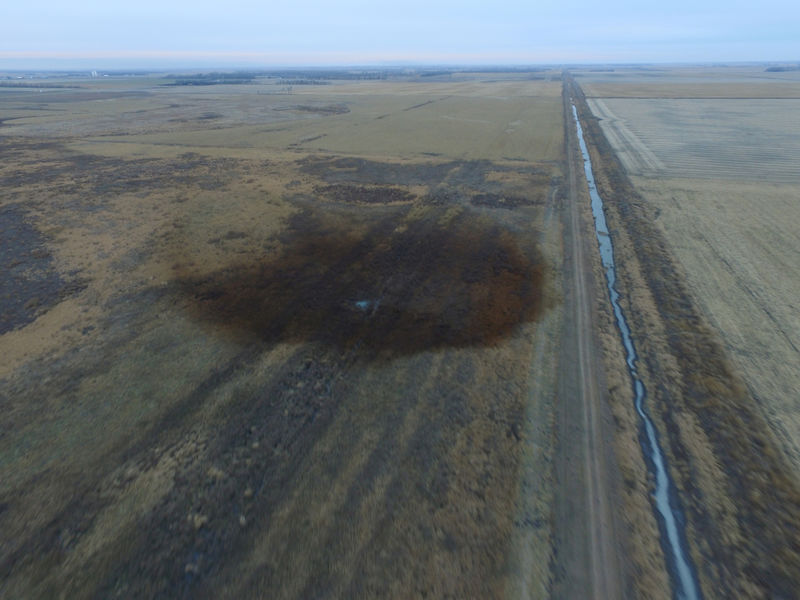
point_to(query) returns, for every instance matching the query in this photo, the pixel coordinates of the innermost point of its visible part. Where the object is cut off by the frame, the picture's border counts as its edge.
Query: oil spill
(379, 283)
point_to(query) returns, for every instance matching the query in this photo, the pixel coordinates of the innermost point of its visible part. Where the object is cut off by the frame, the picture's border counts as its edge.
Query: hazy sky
(104, 33)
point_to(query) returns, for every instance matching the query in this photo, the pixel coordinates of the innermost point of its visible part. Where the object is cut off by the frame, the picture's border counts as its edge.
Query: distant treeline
(287, 77)
(212, 78)
(782, 68)
(435, 73)
(304, 82)
(13, 84)
(322, 74)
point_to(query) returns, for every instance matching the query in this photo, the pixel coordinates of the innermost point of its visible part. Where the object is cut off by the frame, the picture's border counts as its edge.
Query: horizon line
(159, 60)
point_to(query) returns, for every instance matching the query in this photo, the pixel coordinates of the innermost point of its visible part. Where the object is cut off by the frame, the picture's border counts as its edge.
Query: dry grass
(739, 245)
(733, 139)
(698, 90)
(516, 121)
(148, 452)
(722, 180)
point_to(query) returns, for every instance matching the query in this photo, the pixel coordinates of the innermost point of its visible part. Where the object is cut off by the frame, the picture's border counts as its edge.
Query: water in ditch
(665, 497)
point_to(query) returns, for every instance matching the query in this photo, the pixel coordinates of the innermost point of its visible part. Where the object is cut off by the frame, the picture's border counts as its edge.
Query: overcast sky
(148, 33)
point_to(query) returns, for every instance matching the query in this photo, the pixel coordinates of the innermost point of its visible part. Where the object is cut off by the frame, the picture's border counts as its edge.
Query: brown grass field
(289, 343)
(337, 340)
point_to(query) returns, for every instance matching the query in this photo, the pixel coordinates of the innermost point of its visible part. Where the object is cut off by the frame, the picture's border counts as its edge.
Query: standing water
(668, 514)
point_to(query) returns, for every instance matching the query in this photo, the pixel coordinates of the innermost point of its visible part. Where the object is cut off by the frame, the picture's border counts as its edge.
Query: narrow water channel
(673, 534)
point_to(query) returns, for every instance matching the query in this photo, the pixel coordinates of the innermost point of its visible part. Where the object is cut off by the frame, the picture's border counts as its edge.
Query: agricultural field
(700, 195)
(722, 177)
(349, 337)
(732, 139)
(299, 342)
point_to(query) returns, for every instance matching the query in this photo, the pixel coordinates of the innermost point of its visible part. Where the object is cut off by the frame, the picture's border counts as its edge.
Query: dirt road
(586, 530)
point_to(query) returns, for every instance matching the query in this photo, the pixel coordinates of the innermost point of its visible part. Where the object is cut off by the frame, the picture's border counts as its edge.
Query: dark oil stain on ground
(358, 281)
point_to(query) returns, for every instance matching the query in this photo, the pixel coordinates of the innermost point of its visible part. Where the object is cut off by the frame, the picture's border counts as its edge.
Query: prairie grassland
(399, 120)
(236, 359)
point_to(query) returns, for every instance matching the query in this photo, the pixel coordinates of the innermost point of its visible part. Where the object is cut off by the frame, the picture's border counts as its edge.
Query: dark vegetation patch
(435, 73)
(312, 138)
(132, 259)
(320, 109)
(69, 96)
(304, 82)
(261, 443)
(451, 182)
(444, 197)
(471, 176)
(782, 68)
(37, 86)
(216, 78)
(360, 170)
(88, 180)
(501, 201)
(329, 74)
(30, 283)
(359, 194)
(421, 104)
(360, 283)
